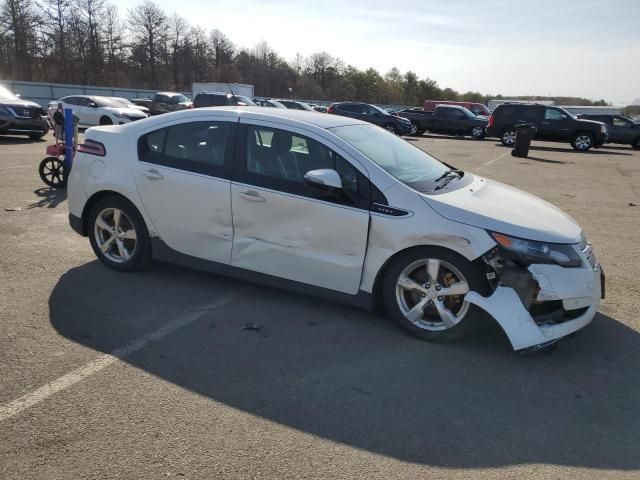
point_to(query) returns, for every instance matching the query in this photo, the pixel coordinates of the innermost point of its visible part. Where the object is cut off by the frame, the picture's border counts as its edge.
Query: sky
(585, 48)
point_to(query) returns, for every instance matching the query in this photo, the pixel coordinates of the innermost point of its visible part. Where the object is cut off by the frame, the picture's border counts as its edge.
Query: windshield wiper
(447, 176)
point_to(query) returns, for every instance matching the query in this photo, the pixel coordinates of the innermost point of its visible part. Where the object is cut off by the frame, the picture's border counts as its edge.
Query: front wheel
(508, 137)
(582, 141)
(390, 127)
(414, 129)
(477, 133)
(118, 235)
(106, 121)
(424, 291)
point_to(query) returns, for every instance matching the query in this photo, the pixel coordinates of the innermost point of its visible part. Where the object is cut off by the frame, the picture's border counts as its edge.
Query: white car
(335, 207)
(94, 110)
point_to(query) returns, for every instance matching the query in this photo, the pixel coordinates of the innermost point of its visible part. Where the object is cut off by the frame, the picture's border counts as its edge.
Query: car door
(92, 112)
(183, 177)
(284, 228)
(622, 130)
(75, 104)
(555, 125)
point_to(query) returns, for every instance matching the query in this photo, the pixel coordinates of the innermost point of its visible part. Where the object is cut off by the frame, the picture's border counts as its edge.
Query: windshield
(6, 94)
(244, 101)
(179, 99)
(468, 112)
(123, 101)
(383, 112)
(399, 158)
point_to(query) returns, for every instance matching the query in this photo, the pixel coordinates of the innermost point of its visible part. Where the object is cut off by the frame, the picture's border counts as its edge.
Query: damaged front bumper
(575, 291)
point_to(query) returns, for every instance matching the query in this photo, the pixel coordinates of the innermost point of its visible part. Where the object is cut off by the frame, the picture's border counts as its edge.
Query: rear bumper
(76, 224)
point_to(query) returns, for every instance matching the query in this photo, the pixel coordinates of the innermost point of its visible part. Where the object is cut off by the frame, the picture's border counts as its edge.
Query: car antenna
(230, 89)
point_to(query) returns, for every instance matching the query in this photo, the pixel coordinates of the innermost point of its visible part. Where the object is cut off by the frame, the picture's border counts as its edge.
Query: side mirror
(18, 95)
(93, 105)
(564, 117)
(324, 179)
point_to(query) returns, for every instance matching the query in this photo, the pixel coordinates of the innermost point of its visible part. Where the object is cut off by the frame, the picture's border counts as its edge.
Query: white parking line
(493, 161)
(103, 361)
(16, 166)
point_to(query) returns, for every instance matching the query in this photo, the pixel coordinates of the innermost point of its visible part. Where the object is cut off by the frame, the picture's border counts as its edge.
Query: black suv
(553, 124)
(219, 99)
(21, 117)
(372, 114)
(621, 129)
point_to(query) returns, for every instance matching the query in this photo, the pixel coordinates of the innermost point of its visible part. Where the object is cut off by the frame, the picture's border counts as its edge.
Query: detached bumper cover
(575, 287)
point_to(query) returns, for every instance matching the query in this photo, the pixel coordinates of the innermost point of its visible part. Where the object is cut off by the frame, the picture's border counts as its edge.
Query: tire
(478, 133)
(582, 141)
(508, 137)
(128, 251)
(636, 144)
(417, 294)
(106, 121)
(53, 172)
(390, 127)
(415, 129)
(37, 136)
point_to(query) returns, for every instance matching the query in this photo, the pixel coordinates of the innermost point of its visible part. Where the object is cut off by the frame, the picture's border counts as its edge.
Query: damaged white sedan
(339, 208)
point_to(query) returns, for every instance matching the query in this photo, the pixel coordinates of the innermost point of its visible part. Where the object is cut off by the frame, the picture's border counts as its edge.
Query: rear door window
(198, 147)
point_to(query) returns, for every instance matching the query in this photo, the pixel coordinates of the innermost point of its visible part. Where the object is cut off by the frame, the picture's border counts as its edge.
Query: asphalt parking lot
(320, 390)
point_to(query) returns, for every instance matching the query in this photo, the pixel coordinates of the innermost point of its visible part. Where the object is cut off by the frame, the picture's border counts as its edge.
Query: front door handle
(153, 174)
(252, 196)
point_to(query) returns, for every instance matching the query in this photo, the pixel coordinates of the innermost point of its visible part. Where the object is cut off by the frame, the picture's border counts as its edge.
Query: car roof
(292, 117)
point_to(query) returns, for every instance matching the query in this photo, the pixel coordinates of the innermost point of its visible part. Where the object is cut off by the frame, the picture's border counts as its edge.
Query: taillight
(490, 121)
(92, 148)
(330, 109)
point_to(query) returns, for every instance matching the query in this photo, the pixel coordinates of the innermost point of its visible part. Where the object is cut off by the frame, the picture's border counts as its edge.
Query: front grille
(26, 112)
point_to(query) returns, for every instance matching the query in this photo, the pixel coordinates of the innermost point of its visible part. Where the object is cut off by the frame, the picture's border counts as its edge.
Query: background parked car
(620, 129)
(92, 110)
(129, 104)
(268, 103)
(296, 105)
(219, 99)
(320, 108)
(476, 108)
(448, 119)
(143, 102)
(165, 102)
(553, 124)
(21, 117)
(372, 114)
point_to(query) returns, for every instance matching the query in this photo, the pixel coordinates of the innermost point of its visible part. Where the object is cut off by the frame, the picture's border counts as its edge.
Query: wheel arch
(377, 283)
(94, 199)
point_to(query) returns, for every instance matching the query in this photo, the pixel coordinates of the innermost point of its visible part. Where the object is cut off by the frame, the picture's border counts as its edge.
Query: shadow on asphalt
(49, 197)
(602, 151)
(352, 377)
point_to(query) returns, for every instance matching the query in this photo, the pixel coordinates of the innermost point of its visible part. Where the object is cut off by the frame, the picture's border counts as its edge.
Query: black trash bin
(524, 135)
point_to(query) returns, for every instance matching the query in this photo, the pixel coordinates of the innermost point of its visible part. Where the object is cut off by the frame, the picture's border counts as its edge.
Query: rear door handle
(153, 174)
(252, 196)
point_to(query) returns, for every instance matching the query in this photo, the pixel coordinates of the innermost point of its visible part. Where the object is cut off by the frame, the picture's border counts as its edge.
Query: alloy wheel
(583, 142)
(115, 235)
(430, 294)
(509, 137)
(477, 132)
(414, 129)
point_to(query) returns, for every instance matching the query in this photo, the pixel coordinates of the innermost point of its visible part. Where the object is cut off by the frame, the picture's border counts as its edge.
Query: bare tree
(148, 23)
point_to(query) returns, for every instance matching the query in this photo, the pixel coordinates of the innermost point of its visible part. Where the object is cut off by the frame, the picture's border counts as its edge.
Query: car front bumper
(9, 124)
(579, 290)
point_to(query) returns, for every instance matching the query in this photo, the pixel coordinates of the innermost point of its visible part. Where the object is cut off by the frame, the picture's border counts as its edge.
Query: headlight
(529, 251)
(121, 115)
(603, 128)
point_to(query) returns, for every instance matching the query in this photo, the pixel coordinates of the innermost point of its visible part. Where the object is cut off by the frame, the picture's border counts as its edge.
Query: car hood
(501, 208)
(17, 103)
(134, 112)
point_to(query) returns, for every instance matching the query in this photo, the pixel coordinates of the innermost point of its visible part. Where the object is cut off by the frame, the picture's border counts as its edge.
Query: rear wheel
(508, 137)
(424, 291)
(478, 133)
(118, 235)
(106, 121)
(582, 141)
(636, 143)
(390, 127)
